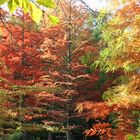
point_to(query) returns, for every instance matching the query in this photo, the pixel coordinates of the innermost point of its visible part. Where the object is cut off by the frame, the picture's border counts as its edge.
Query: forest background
(68, 71)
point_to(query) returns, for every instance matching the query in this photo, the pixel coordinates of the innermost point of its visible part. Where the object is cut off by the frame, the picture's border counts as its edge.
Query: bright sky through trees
(97, 4)
(94, 4)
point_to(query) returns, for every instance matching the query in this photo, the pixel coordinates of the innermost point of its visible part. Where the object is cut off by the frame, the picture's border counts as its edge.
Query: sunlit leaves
(79, 108)
(54, 20)
(54, 129)
(3, 1)
(32, 7)
(36, 13)
(133, 137)
(24, 4)
(122, 96)
(121, 34)
(46, 3)
(12, 5)
(121, 54)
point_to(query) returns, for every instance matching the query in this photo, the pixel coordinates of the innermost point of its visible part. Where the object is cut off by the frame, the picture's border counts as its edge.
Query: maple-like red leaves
(100, 129)
(22, 64)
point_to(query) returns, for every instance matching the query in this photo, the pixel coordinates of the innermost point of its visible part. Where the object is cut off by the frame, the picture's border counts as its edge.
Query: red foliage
(22, 64)
(95, 110)
(40, 58)
(100, 129)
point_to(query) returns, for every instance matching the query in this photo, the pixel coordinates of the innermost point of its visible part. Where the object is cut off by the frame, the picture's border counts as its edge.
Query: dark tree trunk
(50, 135)
(85, 138)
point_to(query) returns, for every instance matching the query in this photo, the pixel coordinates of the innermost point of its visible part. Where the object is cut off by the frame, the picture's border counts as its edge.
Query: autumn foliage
(54, 77)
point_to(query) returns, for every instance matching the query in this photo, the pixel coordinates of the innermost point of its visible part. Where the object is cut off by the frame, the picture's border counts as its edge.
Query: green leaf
(24, 4)
(105, 52)
(46, 3)
(2, 1)
(15, 136)
(1, 92)
(123, 1)
(35, 12)
(12, 5)
(17, 2)
(130, 137)
(53, 19)
(138, 136)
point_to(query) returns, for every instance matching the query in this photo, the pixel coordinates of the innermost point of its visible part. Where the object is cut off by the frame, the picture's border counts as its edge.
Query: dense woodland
(68, 72)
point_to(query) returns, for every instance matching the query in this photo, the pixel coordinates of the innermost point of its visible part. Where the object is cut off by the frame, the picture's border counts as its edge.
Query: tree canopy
(69, 72)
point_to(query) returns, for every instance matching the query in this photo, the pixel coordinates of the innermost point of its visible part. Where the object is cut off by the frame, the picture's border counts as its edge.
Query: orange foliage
(100, 129)
(95, 110)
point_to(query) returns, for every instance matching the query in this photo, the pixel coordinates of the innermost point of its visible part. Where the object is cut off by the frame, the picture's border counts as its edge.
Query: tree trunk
(69, 136)
(85, 138)
(49, 135)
